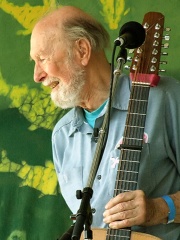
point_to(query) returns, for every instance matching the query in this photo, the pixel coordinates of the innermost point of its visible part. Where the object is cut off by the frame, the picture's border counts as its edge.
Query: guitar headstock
(146, 60)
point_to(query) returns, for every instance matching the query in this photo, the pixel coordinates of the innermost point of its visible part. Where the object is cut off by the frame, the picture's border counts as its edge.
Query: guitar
(144, 74)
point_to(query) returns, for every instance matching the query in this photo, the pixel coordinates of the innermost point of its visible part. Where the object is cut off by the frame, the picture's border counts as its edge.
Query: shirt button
(98, 177)
(93, 210)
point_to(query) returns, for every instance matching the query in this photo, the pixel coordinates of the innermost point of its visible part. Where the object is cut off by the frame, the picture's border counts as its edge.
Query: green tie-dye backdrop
(31, 205)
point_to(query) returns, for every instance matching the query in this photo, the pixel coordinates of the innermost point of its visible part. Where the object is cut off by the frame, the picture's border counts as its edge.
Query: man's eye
(41, 59)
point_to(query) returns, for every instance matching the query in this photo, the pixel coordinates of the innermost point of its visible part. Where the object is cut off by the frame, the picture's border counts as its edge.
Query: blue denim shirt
(159, 174)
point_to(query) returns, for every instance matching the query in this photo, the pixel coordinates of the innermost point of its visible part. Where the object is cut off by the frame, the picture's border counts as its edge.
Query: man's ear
(83, 51)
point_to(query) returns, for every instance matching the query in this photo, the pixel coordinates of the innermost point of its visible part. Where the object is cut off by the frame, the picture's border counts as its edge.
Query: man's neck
(96, 91)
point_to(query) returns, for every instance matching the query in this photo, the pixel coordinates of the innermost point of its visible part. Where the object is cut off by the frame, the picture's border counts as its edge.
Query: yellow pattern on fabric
(18, 235)
(34, 104)
(27, 15)
(40, 178)
(113, 11)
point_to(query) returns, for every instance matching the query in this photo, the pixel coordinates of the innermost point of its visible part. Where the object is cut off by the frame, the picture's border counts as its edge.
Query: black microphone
(131, 35)
(67, 235)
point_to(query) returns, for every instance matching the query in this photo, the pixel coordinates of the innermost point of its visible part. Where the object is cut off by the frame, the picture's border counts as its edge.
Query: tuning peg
(129, 59)
(134, 67)
(156, 35)
(127, 67)
(163, 62)
(146, 25)
(157, 26)
(165, 45)
(164, 53)
(154, 60)
(152, 68)
(166, 37)
(168, 29)
(131, 51)
(155, 43)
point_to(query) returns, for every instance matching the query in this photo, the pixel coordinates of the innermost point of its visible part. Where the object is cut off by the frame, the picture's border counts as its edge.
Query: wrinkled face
(56, 67)
(69, 95)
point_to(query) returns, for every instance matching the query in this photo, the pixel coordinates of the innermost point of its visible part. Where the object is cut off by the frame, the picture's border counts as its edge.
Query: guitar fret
(135, 113)
(128, 138)
(123, 190)
(131, 150)
(138, 100)
(129, 161)
(128, 126)
(135, 119)
(119, 237)
(140, 84)
(127, 171)
(127, 181)
(133, 133)
(116, 234)
(134, 168)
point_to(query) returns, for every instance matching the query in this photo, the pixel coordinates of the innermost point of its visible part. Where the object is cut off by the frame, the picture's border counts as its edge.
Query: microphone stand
(84, 214)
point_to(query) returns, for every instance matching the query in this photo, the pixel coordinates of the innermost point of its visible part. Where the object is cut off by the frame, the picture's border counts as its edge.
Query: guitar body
(100, 234)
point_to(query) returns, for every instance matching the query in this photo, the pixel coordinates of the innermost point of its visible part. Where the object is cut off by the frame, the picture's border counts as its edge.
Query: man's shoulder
(65, 120)
(169, 84)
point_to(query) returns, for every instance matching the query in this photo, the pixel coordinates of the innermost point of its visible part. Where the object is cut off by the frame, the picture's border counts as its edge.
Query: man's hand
(133, 208)
(126, 210)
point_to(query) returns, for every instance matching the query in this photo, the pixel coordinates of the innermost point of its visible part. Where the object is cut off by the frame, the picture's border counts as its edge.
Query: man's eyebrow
(32, 59)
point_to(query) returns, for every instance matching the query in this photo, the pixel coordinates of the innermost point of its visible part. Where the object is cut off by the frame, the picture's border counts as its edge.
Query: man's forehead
(43, 34)
(44, 42)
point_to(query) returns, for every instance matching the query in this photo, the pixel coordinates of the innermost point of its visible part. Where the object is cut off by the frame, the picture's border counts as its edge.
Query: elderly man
(67, 46)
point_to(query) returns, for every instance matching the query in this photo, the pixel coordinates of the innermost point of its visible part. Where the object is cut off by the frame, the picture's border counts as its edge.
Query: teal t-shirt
(91, 116)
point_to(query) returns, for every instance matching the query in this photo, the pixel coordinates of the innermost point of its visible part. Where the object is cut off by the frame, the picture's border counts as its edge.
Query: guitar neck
(128, 168)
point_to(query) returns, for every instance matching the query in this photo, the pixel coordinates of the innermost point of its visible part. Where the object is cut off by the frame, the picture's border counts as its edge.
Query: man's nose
(39, 74)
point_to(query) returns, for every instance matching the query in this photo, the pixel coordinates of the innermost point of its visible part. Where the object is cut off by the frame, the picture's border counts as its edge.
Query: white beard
(69, 95)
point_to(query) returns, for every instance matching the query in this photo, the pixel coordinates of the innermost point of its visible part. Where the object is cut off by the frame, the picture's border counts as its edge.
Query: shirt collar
(78, 123)
(120, 101)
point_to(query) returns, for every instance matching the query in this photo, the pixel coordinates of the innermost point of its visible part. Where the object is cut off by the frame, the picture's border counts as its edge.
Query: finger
(123, 223)
(120, 207)
(119, 216)
(127, 222)
(122, 197)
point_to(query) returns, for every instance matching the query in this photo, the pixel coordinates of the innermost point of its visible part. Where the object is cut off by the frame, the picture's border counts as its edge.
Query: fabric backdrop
(31, 205)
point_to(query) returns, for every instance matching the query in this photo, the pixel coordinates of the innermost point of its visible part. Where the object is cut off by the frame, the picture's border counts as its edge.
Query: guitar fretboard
(135, 121)
(123, 234)
(128, 168)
